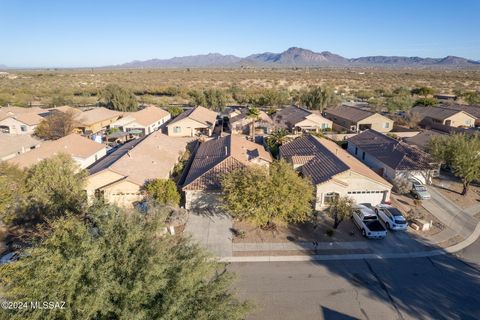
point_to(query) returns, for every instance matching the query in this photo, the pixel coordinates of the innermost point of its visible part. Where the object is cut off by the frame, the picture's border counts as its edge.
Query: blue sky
(95, 33)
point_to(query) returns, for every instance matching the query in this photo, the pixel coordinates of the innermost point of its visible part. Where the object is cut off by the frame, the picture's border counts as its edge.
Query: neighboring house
(354, 119)
(334, 172)
(83, 150)
(445, 116)
(17, 120)
(65, 109)
(422, 139)
(120, 177)
(392, 158)
(240, 123)
(214, 158)
(445, 97)
(473, 110)
(297, 120)
(193, 122)
(95, 120)
(14, 145)
(146, 120)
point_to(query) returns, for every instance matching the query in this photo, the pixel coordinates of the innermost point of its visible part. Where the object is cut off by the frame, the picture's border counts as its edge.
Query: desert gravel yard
(452, 190)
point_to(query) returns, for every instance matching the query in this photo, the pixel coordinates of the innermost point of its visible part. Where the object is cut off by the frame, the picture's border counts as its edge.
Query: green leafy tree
(55, 186)
(275, 140)
(318, 98)
(118, 265)
(422, 91)
(175, 111)
(268, 197)
(472, 97)
(55, 126)
(426, 102)
(163, 191)
(399, 102)
(461, 152)
(364, 95)
(340, 209)
(117, 98)
(13, 192)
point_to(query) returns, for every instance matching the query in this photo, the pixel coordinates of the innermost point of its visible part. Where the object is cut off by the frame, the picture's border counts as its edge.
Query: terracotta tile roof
(328, 159)
(220, 155)
(152, 157)
(95, 115)
(437, 113)
(349, 113)
(395, 154)
(148, 116)
(74, 145)
(199, 114)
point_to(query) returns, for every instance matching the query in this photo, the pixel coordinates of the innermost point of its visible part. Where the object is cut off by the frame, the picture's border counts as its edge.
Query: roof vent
(226, 151)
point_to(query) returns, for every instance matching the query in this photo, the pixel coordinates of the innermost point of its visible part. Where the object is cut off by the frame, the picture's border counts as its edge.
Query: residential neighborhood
(233, 160)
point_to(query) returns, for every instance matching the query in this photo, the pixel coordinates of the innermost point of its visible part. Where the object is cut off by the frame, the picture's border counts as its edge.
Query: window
(363, 155)
(329, 197)
(324, 125)
(23, 128)
(356, 150)
(177, 129)
(386, 125)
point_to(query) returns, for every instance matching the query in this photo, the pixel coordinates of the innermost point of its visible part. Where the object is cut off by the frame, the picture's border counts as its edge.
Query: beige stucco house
(298, 120)
(18, 120)
(445, 116)
(146, 120)
(354, 119)
(14, 145)
(240, 123)
(334, 172)
(83, 150)
(193, 122)
(95, 120)
(119, 177)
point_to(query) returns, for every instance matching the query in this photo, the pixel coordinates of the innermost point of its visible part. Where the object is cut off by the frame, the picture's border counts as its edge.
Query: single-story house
(392, 158)
(334, 172)
(17, 120)
(120, 176)
(444, 115)
(298, 120)
(95, 120)
(214, 158)
(14, 145)
(422, 139)
(194, 122)
(473, 110)
(354, 119)
(83, 150)
(240, 123)
(146, 120)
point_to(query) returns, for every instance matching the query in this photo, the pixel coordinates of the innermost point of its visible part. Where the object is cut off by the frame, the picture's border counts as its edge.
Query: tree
(275, 140)
(253, 114)
(12, 191)
(461, 152)
(364, 95)
(340, 209)
(120, 265)
(57, 125)
(56, 186)
(163, 191)
(472, 97)
(267, 197)
(117, 98)
(318, 98)
(175, 111)
(399, 102)
(214, 99)
(426, 102)
(422, 91)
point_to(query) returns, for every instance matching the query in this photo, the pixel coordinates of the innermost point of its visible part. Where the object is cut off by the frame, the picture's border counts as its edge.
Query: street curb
(422, 254)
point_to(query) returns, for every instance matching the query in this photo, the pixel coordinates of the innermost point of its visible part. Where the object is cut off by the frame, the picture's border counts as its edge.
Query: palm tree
(254, 114)
(279, 137)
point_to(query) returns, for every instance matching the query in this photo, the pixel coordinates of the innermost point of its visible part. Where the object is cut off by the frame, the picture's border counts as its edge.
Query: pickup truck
(367, 221)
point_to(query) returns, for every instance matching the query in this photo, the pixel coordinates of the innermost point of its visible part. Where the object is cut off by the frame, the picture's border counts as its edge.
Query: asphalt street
(441, 287)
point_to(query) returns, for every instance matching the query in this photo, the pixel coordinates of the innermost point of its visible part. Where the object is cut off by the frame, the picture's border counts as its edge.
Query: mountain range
(298, 57)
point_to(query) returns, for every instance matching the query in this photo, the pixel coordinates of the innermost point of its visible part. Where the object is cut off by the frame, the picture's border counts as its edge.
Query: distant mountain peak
(298, 57)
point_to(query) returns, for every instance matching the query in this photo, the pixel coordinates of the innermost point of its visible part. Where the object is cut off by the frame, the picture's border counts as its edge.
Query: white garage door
(372, 197)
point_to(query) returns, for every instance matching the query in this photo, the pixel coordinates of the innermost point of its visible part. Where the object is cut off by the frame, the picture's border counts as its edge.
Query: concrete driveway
(212, 231)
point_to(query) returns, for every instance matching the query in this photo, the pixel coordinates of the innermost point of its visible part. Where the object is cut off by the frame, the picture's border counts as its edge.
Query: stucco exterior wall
(378, 123)
(188, 128)
(15, 126)
(460, 119)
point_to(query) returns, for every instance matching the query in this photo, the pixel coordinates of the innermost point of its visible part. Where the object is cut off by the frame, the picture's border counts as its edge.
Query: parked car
(367, 221)
(418, 190)
(392, 217)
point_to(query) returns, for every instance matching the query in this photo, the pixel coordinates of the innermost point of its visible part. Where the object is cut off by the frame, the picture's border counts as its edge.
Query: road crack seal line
(384, 287)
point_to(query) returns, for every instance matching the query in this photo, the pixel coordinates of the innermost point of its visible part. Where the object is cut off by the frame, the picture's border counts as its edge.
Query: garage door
(372, 197)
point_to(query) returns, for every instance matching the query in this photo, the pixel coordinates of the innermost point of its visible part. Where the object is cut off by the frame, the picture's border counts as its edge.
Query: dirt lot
(301, 232)
(452, 189)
